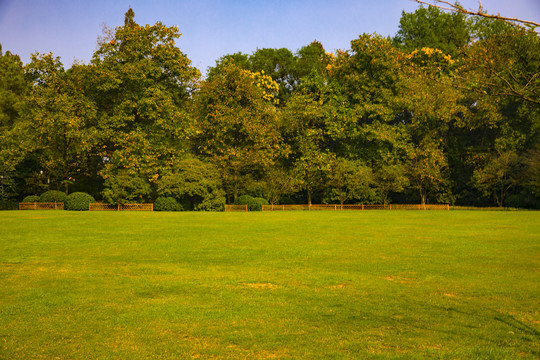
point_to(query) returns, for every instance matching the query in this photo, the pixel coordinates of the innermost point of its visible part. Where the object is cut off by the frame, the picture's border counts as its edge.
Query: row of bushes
(79, 201)
(171, 204)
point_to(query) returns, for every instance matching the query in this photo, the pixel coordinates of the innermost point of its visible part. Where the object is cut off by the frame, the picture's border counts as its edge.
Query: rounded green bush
(31, 199)
(78, 201)
(163, 203)
(53, 196)
(256, 204)
(253, 204)
(243, 200)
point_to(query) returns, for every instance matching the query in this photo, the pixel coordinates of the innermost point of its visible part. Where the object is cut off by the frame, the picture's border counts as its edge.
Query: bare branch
(480, 12)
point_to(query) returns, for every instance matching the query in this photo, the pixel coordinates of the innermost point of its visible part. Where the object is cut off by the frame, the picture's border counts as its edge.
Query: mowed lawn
(289, 285)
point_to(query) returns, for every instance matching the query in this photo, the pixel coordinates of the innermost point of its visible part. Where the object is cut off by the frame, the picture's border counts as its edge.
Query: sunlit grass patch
(322, 285)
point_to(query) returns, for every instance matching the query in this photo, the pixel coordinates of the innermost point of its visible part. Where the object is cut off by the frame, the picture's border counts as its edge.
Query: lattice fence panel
(41, 206)
(124, 207)
(337, 207)
(236, 208)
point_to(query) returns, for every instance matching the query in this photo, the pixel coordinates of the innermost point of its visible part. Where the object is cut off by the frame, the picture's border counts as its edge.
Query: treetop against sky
(212, 29)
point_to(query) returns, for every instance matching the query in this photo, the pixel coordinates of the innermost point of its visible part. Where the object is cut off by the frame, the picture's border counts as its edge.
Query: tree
(237, 125)
(60, 117)
(531, 175)
(426, 169)
(497, 176)
(306, 132)
(124, 187)
(504, 65)
(390, 178)
(280, 65)
(350, 180)
(432, 28)
(14, 137)
(195, 183)
(142, 85)
(313, 59)
(277, 182)
(456, 7)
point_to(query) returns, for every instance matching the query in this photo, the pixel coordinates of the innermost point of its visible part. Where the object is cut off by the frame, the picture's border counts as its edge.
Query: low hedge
(253, 204)
(31, 199)
(78, 201)
(9, 205)
(163, 203)
(53, 196)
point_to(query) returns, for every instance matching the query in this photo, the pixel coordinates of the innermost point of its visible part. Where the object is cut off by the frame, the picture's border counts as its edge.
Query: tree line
(445, 111)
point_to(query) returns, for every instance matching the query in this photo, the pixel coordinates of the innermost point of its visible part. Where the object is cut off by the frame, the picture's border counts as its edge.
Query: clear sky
(213, 28)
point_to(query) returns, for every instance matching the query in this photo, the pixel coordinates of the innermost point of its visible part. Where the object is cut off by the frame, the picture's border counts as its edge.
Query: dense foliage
(53, 196)
(78, 201)
(30, 199)
(167, 203)
(448, 110)
(253, 203)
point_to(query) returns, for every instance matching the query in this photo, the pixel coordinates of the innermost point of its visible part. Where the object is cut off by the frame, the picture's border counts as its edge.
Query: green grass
(293, 285)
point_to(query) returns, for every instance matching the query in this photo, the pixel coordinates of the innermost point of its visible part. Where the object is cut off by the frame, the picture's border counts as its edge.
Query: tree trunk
(235, 185)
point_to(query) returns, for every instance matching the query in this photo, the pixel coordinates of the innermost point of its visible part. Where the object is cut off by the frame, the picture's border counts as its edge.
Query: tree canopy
(447, 111)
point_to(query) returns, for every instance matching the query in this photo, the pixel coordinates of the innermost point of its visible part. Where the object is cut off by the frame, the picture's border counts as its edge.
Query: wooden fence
(231, 208)
(41, 206)
(124, 207)
(336, 207)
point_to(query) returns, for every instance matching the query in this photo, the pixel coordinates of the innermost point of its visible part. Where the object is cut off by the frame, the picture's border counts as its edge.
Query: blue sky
(211, 29)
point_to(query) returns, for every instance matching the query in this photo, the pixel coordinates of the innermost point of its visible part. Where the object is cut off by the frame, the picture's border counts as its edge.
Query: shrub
(243, 200)
(522, 200)
(253, 204)
(168, 203)
(78, 201)
(31, 199)
(53, 196)
(256, 204)
(9, 205)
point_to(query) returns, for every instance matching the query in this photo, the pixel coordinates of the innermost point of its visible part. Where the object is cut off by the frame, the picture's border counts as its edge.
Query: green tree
(14, 135)
(306, 132)
(313, 58)
(390, 178)
(237, 125)
(531, 175)
(281, 65)
(142, 85)
(426, 169)
(124, 187)
(497, 176)
(195, 183)
(61, 118)
(350, 180)
(433, 28)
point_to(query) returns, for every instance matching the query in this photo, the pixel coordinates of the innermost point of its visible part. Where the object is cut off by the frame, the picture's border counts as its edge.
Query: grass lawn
(290, 285)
